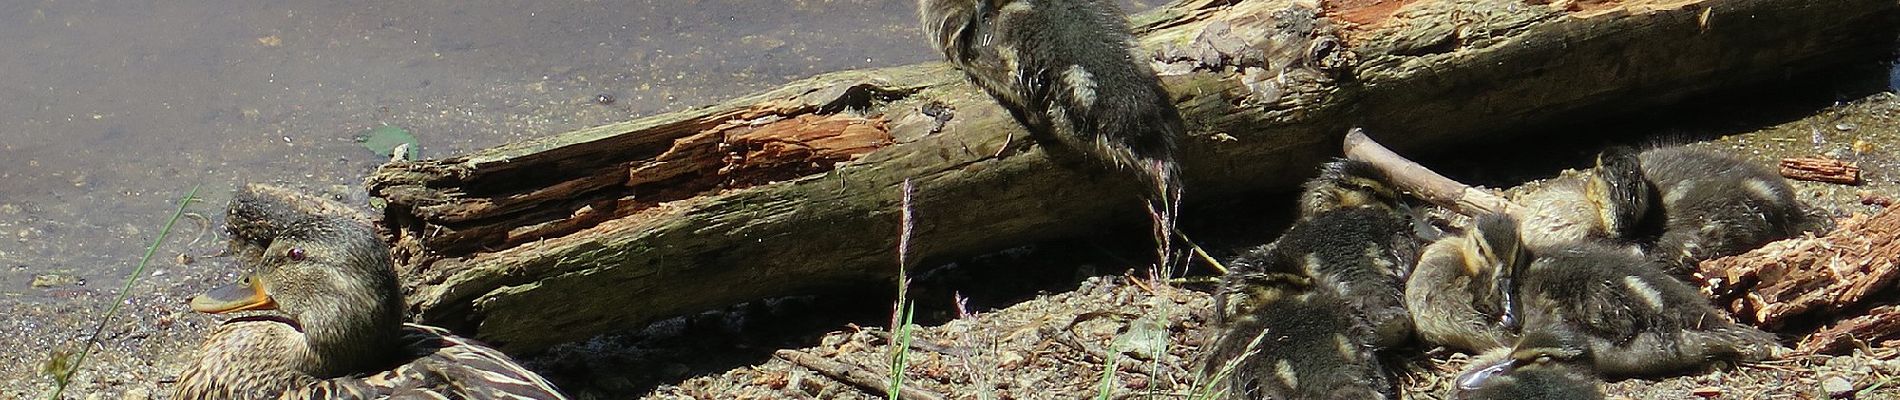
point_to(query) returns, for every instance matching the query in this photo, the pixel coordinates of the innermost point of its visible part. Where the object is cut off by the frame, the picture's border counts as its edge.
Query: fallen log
(794, 190)
(1809, 276)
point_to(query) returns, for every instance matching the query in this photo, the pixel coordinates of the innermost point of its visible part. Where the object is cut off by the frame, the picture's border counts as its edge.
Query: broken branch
(1422, 182)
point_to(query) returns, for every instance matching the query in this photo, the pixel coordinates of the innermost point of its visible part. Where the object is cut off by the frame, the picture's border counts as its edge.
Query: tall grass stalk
(63, 376)
(901, 311)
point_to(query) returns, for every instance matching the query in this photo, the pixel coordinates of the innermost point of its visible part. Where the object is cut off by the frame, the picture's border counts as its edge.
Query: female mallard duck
(1687, 205)
(331, 322)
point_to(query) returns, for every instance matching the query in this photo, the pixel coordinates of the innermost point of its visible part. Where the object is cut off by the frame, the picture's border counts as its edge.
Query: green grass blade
(62, 376)
(1108, 374)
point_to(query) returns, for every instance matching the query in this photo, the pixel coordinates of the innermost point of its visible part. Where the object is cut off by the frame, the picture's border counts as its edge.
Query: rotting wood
(1821, 170)
(541, 242)
(853, 374)
(1870, 329)
(1808, 276)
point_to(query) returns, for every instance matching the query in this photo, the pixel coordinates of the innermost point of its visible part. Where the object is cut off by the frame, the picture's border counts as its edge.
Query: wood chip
(1821, 170)
(1808, 275)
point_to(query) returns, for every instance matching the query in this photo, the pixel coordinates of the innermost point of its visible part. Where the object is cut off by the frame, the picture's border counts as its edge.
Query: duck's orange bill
(245, 294)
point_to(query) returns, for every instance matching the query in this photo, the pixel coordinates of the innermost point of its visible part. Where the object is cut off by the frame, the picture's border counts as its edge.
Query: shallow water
(113, 110)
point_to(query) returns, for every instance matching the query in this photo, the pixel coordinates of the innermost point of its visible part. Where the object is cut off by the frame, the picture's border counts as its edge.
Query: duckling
(1353, 237)
(1323, 297)
(1459, 295)
(1544, 365)
(1065, 70)
(330, 318)
(1284, 339)
(1635, 319)
(1689, 205)
(1558, 211)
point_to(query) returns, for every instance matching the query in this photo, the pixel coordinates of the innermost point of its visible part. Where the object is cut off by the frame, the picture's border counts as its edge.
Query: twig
(924, 345)
(853, 374)
(1202, 253)
(1422, 182)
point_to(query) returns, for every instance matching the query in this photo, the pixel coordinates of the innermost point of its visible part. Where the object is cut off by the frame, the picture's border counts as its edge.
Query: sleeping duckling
(1285, 339)
(1309, 309)
(1635, 319)
(1353, 237)
(1459, 294)
(1065, 70)
(1689, 205)
(331, 322)
(1544, 365)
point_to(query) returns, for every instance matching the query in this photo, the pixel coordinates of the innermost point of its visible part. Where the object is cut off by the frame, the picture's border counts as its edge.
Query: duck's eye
(295, 254)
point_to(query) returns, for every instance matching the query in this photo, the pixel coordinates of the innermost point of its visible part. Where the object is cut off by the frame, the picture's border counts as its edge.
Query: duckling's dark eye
(295, 254)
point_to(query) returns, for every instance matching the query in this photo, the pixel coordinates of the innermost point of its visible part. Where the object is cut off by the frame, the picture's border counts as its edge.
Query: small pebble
(1845, 126)
(1011, 360)
(55, 280)
(1874, 199)
(604, 99)
(136, 394)
(1838, 387)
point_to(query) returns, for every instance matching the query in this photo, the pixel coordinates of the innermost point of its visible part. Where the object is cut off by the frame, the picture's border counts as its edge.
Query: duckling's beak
(1471, 380)
(243, 295)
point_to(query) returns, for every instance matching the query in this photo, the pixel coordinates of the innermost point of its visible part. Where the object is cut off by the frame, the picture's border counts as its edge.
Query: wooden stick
(853, 374)
(1422, 182)
(1821, 170)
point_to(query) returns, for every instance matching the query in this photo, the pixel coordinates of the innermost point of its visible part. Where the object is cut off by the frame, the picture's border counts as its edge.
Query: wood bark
(1821, 170)
(794, 190)
(1809, 277)
(1869, 330)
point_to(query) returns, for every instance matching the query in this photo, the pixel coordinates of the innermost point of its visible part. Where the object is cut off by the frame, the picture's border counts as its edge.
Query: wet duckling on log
(1687, 205)
(1065, 70)
(1543, 365)
(1459, 295)
(1636, 319)
(1286, 339)
(330, 318)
